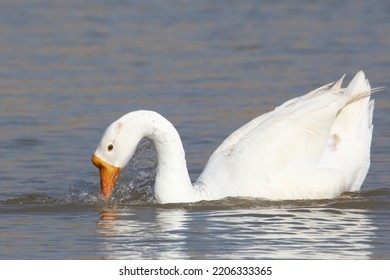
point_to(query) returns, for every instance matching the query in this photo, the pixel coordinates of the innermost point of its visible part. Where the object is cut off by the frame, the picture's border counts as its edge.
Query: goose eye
(110, 147)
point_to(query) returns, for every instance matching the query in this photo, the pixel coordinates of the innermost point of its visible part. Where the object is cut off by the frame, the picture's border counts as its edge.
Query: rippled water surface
(69, 68)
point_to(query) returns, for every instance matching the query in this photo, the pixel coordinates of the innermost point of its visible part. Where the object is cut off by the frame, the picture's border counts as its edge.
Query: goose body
(315, 146)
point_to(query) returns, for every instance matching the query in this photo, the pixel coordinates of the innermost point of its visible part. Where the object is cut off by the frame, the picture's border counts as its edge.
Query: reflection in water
(108, 218)
(143, 234)
(314, 233)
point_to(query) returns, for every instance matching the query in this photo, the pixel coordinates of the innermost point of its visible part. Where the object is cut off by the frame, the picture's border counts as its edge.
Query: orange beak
(108, 175)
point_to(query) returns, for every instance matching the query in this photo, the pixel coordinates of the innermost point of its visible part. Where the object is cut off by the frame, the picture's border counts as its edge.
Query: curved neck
(172, 183)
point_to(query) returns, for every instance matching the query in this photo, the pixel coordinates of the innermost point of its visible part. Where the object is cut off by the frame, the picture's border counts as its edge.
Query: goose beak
(108, 175)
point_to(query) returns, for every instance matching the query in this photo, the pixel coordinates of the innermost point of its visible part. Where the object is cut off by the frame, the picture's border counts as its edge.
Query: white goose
(315, 146)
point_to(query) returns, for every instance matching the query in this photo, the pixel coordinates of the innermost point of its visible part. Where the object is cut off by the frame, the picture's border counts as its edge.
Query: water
(69, 68)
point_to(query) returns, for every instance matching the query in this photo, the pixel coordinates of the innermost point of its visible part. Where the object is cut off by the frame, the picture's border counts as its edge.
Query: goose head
(115, 150)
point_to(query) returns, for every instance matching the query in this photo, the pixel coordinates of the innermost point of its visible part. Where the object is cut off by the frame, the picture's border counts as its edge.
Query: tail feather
(360, 88)
(358, 84)
(337, 85)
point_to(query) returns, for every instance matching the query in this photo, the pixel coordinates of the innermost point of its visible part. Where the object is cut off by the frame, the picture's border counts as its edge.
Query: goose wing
(279, 154)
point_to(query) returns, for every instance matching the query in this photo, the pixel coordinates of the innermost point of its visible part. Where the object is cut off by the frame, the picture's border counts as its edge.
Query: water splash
(82, 193)
(135, 185)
